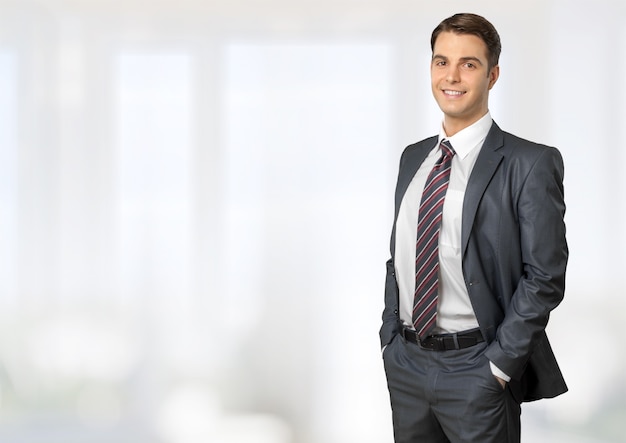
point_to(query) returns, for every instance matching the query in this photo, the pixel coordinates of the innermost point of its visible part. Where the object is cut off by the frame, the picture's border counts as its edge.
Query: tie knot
(447, 149)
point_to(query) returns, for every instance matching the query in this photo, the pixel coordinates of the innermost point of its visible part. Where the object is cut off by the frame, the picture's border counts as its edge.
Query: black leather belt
(445, 342)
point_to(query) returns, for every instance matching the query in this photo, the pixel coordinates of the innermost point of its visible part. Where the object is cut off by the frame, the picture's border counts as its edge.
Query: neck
(452, 126)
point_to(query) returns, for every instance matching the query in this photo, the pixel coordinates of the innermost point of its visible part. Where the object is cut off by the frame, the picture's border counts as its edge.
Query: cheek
(433, 85)
(437, 75)
(433, 79)
(480, 86)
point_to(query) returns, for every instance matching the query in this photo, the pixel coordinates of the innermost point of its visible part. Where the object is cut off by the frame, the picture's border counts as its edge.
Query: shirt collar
(469, 138)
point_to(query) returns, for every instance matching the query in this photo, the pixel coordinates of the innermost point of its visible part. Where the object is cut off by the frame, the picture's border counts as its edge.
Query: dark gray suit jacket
(514, 255)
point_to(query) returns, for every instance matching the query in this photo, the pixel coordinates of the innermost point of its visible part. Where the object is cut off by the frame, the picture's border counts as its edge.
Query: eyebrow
(463, 59)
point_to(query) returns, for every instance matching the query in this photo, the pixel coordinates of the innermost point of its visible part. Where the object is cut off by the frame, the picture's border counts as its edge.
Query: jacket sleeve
(391, 319)
(541, 210)
(391, 322)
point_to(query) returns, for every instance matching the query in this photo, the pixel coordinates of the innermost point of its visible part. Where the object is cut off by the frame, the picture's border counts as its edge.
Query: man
(478, 258)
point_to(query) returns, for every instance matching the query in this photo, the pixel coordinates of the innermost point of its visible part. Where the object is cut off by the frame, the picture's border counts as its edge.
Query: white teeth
(453, 92)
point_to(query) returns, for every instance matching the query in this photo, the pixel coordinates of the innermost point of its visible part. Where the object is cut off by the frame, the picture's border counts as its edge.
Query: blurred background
(196, 201)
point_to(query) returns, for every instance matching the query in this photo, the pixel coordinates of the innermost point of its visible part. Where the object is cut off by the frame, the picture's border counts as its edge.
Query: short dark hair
(473, 24)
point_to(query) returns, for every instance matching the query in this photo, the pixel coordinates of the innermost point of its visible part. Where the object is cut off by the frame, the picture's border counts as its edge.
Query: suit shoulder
(531, 155)
(427, 143)
(518, 143)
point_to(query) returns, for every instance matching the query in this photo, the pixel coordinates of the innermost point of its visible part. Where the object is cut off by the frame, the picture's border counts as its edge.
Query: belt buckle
(432, 343)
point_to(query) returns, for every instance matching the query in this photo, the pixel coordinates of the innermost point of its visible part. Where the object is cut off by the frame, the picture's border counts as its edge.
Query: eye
(470, 65)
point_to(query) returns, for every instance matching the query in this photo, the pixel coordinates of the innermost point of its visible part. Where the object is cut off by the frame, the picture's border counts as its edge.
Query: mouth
(452, 93)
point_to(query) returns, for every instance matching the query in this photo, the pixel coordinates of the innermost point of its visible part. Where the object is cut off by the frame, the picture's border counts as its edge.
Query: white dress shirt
(454, 308)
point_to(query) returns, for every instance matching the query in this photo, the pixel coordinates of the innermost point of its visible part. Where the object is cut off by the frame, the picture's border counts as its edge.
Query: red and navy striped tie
(427, 247)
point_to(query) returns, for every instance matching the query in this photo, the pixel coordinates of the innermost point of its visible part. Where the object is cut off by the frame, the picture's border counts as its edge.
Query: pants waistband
(444, 342)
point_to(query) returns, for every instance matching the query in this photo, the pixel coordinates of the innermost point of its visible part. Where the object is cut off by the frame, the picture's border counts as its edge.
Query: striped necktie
(427, 247)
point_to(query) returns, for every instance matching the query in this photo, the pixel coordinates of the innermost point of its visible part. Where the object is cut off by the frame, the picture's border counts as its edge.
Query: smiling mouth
(453, 93)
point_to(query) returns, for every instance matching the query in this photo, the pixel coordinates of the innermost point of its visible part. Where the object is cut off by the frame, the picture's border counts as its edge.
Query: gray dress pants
(447, 396)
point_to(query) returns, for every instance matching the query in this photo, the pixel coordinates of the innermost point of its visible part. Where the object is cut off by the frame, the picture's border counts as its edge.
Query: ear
(494, 74)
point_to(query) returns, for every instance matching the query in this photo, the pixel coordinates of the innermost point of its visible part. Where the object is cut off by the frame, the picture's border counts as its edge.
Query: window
(153, 117)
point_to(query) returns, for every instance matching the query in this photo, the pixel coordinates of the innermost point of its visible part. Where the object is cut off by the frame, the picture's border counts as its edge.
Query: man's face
(460, 79)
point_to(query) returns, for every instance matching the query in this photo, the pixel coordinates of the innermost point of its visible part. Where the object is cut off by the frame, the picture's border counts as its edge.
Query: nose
(452, 74)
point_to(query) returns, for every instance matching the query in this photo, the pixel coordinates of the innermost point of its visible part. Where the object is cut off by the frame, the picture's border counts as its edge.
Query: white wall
(196, 199)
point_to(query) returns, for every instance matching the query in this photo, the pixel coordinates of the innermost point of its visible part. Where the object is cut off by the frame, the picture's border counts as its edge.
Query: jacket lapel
(484, 168)
(410, 163)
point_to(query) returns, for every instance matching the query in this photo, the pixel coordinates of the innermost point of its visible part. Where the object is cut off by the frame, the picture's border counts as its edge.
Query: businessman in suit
(478, 258)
